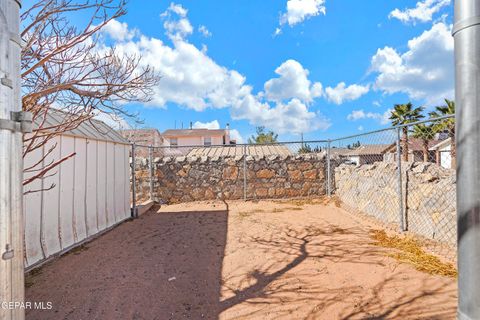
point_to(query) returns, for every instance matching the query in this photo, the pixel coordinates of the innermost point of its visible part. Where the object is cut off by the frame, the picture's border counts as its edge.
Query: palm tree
(446, 125)
(425, 134)
(405, 114)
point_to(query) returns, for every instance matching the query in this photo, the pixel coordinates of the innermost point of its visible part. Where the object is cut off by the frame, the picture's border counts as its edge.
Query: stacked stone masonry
(428, 189)
(184, 179)
(429, 193)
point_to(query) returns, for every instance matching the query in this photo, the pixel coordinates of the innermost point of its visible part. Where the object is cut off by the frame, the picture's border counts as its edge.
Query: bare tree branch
(66, 69)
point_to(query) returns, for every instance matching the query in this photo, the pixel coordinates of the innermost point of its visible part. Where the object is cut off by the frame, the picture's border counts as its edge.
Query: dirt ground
(236, 260)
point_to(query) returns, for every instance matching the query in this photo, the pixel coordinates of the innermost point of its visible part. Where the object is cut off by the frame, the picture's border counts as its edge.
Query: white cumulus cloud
(192, 79)
(235, 135)
(204, 31)
(423, 11)
(424, 72)
(292, 83)
(212, 125)
(299, 10)
(177, 25)
(342, 92)
(382, 118)
(119, 30)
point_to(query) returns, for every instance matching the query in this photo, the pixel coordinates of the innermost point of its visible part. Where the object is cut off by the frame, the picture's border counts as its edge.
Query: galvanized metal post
(329, 182)
(134, 185)
(244, 172)
(150, 171)
(466, 32)
(13, 123)
(400, 183)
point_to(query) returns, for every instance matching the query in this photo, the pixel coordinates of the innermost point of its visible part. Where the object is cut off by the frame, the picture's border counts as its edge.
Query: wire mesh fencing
(405, 178)
(401, 176)
(171, 174)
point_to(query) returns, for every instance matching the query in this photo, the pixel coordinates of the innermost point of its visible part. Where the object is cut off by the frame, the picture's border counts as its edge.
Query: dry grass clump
(304, 201)
(410, 251)
(244, 214)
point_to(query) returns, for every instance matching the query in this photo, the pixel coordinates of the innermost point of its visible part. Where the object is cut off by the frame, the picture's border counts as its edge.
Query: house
(145, 137)
(443, 153)
(366, 154)
(197, 137)
(415, 151)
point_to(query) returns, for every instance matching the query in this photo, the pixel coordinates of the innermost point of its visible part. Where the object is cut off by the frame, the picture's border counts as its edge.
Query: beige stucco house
(196, 137)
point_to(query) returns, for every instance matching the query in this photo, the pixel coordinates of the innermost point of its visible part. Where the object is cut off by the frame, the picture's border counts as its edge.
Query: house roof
(89, 129)
(368, 149)
(232, 150)
(133, 131)
(193, 132)
(339, 151)
(441, 144)
(414, 144)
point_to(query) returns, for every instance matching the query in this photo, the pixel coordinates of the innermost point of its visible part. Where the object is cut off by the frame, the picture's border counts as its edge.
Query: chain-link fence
(250, 172)
(402, 176)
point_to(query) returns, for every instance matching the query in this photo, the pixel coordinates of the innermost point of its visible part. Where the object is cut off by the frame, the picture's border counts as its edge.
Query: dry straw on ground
(409, 250)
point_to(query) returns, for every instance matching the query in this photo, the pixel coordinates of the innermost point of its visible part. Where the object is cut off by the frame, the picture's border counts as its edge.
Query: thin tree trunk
(425, 150)
(405, 144)
(453, 151)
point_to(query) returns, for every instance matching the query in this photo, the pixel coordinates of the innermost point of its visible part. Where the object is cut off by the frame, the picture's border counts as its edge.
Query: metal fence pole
(12, 126)
(466, 32)
(329, 182)
(400, 184)
(134, 185)
(150, 170)
(245, 173)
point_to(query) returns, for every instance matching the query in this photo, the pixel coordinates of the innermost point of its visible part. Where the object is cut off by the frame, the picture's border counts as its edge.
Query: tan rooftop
(368, 149)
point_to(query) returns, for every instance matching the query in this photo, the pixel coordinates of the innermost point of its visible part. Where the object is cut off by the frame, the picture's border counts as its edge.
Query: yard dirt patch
(240, 260)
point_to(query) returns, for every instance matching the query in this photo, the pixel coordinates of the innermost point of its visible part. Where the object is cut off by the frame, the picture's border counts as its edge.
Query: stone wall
(429, 191)
(183, 179)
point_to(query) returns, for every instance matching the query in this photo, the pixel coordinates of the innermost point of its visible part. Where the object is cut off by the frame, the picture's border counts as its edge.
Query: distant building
(197, 137)
(366, 154)
(144, 137)
(443, 153)
(415, 150)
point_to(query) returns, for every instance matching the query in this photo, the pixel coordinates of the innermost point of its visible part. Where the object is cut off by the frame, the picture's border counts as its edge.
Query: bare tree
(65, 70)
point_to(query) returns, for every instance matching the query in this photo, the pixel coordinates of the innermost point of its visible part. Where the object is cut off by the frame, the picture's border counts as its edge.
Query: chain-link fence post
(245, 172)
(329, 181)
(400, 186)
(466, 32)
(150, 170)
(134, 185)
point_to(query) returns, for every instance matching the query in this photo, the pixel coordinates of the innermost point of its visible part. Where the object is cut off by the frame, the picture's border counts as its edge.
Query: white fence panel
(120, 182)
(32, 210)
(101, 185)
(50, 208)
(79, 189)
(66, 176)
(91, 200)
(110, 184)
(90, 194)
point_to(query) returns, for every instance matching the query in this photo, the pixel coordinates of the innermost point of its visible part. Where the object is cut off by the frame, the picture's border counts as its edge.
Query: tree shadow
(171, 265)
(275, 288)
(161, 266)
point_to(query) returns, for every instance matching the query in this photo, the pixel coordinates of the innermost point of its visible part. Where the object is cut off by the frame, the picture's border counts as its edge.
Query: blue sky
(324, 68)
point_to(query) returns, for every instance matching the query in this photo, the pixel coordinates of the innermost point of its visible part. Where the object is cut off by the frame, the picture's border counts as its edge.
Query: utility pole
(13, 123)
(466, 32)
